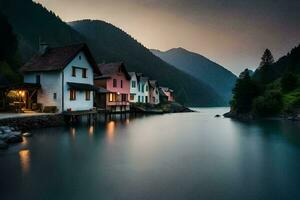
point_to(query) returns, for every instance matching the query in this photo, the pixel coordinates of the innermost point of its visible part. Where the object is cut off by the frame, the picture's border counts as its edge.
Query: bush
(289, 82)
(271, 103)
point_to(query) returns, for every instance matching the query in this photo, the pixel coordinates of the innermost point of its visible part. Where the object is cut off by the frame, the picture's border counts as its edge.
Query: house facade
(116, 81)
(167, 92)
(65, 75)
(134, 87)
(143, 89)
(153, 92)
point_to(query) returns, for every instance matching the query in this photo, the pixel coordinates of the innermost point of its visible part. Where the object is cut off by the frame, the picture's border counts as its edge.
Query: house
(167, 92)
(153, 92)
(134, 84)
(65, 75)
(143, 88)
(116, 81)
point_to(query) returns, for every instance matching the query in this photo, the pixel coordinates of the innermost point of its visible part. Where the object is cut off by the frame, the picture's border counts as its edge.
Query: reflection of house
(65, 75)
(116, 82)
(167, 92)
(153, 92)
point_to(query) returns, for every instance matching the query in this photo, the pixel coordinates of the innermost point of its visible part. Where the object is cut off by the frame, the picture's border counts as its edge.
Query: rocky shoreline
(12, 130)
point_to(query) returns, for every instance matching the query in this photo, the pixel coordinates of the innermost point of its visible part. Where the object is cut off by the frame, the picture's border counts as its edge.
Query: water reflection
(25, 160)
(73, 132)
(110, 130)
(91, 131)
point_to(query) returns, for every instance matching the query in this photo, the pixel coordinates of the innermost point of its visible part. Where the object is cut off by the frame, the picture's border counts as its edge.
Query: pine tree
(267, 58)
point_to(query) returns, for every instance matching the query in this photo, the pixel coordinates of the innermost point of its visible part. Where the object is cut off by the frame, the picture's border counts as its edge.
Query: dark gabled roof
(165, 89)
(153, 83)
(110, 69)
(58, 58)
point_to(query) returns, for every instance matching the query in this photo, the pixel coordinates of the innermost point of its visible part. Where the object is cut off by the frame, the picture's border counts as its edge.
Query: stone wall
(33, 122)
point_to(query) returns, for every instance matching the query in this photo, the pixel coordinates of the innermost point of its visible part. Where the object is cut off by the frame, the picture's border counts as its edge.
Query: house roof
(54, 59)
(165, 89)
(110, 69)
(153, 83)
(161, 92)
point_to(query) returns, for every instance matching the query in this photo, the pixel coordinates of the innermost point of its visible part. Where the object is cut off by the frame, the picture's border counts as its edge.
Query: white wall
(50, 84)
(141, 94)
(80, 103)
(134, 90)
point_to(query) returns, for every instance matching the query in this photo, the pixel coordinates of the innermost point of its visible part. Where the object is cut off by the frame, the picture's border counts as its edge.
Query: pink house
(168, 92)
(114, 87)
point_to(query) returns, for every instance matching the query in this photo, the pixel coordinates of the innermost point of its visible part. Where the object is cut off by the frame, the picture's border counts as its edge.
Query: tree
(8, 40)
(244, 93)
(289, 82)
(269, 104)
(267, 59)
(264, 74)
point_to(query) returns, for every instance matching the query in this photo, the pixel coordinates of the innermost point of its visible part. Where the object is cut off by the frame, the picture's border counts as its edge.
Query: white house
(143, 89)
(134, 84)
(65, 75)
(153, 92)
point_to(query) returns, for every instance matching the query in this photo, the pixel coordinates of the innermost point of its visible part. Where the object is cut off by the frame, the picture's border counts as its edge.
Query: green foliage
(244, 93)
(289, 82)
(270, 103)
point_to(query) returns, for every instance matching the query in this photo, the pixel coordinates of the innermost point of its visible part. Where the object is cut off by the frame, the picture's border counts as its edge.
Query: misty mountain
(32, 22)
(200, 67)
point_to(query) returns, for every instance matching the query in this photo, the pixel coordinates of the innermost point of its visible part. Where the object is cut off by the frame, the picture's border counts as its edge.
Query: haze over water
(171, 156)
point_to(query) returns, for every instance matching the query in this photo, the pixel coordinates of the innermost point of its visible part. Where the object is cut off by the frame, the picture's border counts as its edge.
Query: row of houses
(65, 79)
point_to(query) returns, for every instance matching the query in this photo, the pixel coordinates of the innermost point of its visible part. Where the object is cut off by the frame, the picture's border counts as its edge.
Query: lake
(170, 156)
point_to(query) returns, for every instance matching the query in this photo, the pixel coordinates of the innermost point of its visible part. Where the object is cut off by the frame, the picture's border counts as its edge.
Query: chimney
(42, 47)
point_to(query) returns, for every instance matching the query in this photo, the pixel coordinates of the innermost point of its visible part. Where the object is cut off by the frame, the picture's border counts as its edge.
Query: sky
(232, 33)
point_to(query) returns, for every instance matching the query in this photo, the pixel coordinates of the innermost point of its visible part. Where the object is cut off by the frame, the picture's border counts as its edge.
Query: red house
(114, 87)
(168, 92)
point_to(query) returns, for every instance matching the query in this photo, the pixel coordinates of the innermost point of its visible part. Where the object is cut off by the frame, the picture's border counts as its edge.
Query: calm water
(172, 156)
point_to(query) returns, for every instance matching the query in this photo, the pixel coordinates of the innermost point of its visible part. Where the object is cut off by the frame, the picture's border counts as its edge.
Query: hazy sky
(232, 33)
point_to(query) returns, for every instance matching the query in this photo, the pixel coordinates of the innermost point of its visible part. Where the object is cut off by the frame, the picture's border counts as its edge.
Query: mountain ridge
(219, 78)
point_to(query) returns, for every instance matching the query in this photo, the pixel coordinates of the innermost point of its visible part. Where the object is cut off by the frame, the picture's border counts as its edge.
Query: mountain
(32, 23)
(200, 67)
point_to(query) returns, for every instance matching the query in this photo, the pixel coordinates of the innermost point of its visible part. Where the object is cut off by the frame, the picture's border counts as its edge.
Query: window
(142, 88)
(73, 71)
(114, 82)
(87, 95)
(121, 83)
(146, 99)
(112, 97)
(84, 74)
(139, 99)
(131, 97)
(54, 96)
(79, 57)
(142, 99)
(72, 94)
(38, 79)
(133, 84)
(146, 88)
(124, 97)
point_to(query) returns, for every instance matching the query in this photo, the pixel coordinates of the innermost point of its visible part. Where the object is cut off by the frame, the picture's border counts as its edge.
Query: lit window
(87, 95)
(72, 94)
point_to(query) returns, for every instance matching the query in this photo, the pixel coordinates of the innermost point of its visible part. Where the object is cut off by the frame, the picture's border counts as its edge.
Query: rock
(4, 136)
(17, 133)
(3, 145)
(27, 134)
(14, 139)
(217, 115)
